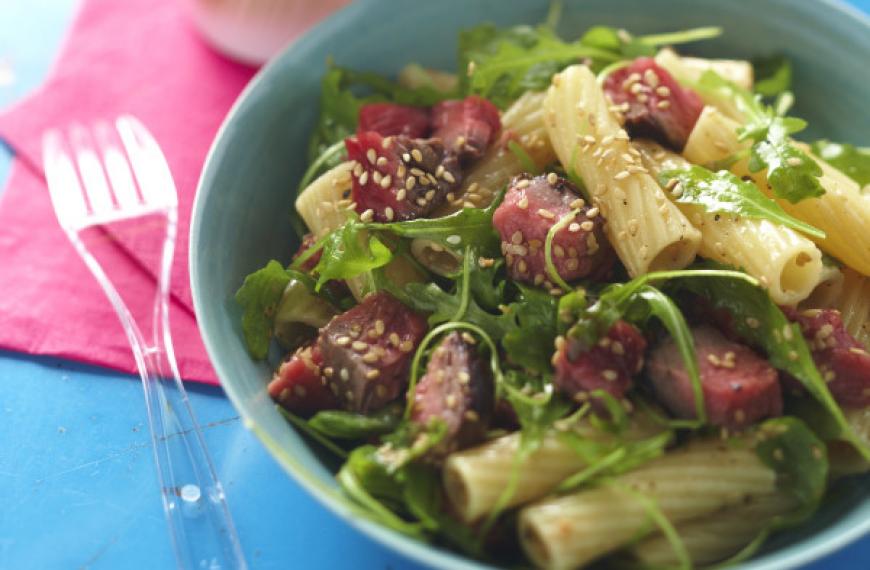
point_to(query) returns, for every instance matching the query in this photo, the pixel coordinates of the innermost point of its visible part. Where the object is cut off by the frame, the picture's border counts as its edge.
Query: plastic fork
(110, 173)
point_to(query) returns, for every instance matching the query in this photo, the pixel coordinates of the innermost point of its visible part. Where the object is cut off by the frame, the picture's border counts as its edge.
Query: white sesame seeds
(370, 358)
(364, 178)
(546, 213)
(609, 375)
(552, 178)
(651, 77)
(577, 204)
(389, 214)
(406, 346)
(430, 195)
(385, 181)
(342, 341)
(558, 251)
(752, 322)
(517, 237)
(587, 226)
(344, 374)
(381, 161)
(371, 155)
(418, 156)
(523, 203)
(592, 212)
(449, 177)
(402, 193)
(574, 227)
(367, 216)
(453, 239)
(463, 377)
(450, 400)
(406, 157)
(663, 91)
(359, 346)
(524, 183)
(663, 104)
(622, 175)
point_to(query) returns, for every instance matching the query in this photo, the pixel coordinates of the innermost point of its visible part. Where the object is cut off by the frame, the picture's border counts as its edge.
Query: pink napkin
(136, 56)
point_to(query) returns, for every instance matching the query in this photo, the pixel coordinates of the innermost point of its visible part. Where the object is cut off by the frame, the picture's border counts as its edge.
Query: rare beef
(609, 365)
(367, 351)
(467, 126)
(842, 361)
(530, 208)
(399, 178)
(298, 385)
(739, 386)
(457, 389)
(389, 119)
(653, 103)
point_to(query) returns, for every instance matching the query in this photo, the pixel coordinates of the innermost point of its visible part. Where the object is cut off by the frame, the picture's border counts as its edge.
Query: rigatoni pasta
(849, 294)
(648, 232)
(787, 264)
(570, 531)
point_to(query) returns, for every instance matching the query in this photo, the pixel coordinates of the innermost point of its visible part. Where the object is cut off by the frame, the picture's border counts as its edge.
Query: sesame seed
(471, 416)
(794, 161)
(752, 322)
(651, 77)
(372, 374)
(402, 193)
(558, 251)
(546, 214)
(344, 374)
(406, 157)
(572, 264)
(824, 332)
(328, 371)
(424, 180)
(388, 213)
(342, 341)
(453, 239)
(367, 215)
(574, 227)
(359, 346)
(430, 195)
(449, 177)
(577, 204)
(370, 357)
(609, 375)
(439, 171)
(371, 155)
(622, 175)
(401, 171)
(635, 88)
(464, 377)
(364, 178)
(552, 178)
(394, 339)
(381, 161)
(787, 332)
(406, 346)
(377, 177)
(486, 262)
(587, 226)
(418, 156)
(517, 237)
(450, 400)
(524, 183)
(642, 97)
(523, 203)
(421, 202)
(607, 140)
(385, 181)
(663, 104)
(357, 169)
(633, 226)
(617, 348)
(522, 267)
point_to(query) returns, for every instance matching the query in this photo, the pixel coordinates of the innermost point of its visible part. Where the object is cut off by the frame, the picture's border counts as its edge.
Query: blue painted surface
(77, 484)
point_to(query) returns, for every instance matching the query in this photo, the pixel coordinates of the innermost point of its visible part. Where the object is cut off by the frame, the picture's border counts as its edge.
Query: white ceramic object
(252, 31)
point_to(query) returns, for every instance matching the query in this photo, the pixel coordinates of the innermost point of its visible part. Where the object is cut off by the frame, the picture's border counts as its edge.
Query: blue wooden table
(77, 482)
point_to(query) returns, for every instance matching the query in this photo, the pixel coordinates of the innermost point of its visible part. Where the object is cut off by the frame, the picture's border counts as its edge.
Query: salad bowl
(242, 213)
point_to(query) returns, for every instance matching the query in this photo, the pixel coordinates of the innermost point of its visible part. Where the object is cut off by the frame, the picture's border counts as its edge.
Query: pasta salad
(581, 300)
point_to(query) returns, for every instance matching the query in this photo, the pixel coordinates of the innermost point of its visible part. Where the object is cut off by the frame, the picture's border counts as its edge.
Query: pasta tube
(842, 212)
(647, 231)
(737, 71)
(787, 264)
(697, 480)
(715, 537)
(474, 479)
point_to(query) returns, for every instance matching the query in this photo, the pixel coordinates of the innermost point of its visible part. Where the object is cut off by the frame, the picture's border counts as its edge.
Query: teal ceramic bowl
(241, 216)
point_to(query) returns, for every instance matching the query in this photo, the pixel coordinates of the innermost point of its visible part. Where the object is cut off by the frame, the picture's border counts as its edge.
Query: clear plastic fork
(111, 173)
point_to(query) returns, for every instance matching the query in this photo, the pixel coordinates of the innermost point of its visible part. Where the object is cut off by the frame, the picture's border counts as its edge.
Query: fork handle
(200, 525)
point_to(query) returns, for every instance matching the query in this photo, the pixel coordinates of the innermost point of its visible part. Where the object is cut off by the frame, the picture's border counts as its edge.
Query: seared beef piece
(389, 119)
(367, 351)
(739, 386)
(842, 361)
(399, 178)
(530, 208)
(298, 385)
(467, 126)
(609, 365)
(457, 389)
(657, 106)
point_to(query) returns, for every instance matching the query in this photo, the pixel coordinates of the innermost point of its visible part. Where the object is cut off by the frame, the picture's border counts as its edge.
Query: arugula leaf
(422, 96)
(339, 424)
(772, 75)
(852, 161)
(759, 322)
(339, 112)
(259, 296)
(467, 227)
(627, 46)
(529, 343)
(792, 174)
(505, 63)
(443, 306)
(349, 251)
(799, 458)
(723, 192)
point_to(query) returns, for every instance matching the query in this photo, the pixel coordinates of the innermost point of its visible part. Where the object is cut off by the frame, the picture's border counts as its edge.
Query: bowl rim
(423, 553)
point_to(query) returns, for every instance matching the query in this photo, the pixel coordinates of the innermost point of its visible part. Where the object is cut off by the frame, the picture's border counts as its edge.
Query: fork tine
(117, 168)
(63, 183)
(149, 165)
(93, 177)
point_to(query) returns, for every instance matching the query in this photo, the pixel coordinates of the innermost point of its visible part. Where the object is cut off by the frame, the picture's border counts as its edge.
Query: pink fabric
(136, 56)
